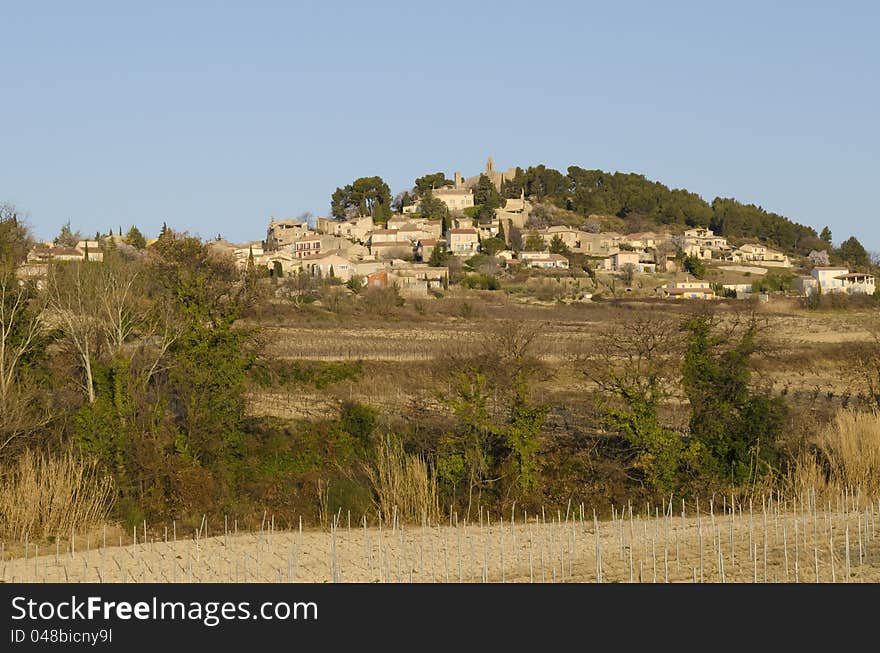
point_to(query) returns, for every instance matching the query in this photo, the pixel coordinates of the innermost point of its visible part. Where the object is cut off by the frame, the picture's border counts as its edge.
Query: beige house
(754, 253)
(84, 251)
(836, 279)
(416, 279)
(620, 259)
(91, 250)
(396, 221)
(306, 246)
(547, 261)
(383, 236)
(356, 229)
(455, 198)
(424, 248)
(488, 229)
(331, 264)
(433, 228)
(282, 233)
(645, 240)
(514, 213)
(354, 251)
(366, 268)
(463, 242)
(601, 244)
(702, 242)
(411, 232)
(289, 263)
(462, 222)
(386, 250)
(688, 290)
(858, 283)
(568, 235)
(242, 254)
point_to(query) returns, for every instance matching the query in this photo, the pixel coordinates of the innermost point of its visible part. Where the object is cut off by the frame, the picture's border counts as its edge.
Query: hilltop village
(472, 232)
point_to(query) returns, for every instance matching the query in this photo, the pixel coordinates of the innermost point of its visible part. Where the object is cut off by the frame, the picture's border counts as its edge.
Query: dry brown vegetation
(404, 485)
(43, 496)
(808, 356)
(845, 453)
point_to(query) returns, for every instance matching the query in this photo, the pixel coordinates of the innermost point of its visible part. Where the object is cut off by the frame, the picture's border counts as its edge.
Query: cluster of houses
(36, 266)
(398, 252)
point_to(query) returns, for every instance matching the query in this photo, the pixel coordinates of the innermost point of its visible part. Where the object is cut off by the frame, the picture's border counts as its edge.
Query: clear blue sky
(213, 116)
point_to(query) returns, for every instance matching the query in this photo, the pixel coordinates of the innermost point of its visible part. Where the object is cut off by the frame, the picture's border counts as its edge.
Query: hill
(635, 199)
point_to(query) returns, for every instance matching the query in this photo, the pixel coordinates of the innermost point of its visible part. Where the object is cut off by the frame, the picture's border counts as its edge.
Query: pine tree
(826, 235)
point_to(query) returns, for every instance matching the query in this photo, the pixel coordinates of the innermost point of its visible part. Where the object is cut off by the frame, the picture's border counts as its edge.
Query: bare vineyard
(773, 539)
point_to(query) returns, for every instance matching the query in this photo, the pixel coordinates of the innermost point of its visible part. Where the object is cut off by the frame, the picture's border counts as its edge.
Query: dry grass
(852, 446)
(405, 485)
(42, 496)
(847, 455)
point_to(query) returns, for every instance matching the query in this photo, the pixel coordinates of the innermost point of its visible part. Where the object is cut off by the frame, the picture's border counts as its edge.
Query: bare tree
(661, 252)
(866, 363)
(639, 361)
(161, 328)
(75, 303)
(628, 272)
(21, 323)
(118, 301)
(19, 328)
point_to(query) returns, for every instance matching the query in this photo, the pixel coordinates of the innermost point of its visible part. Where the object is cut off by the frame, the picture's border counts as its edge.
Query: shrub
(403, 483)
(481, 281)
(47, 495)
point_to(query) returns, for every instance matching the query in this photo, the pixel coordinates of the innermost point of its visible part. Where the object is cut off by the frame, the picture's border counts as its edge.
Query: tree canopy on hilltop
(636, 199)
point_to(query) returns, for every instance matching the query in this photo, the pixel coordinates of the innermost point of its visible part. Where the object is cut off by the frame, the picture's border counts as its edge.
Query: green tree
(429, 182)
(826, 235)
(66, 237)
(534, 243)
(492, 246)
(135, 238)
(852, 251)
(694, 265)
(439, 256)
(355, 284)
(209, 360)
(432, 208)
(497, 423)
(367, 196)
(486, 196)
(636, 371)
(15, 240)
(736, 428)
(558, 246)
(628, 273)
(516, 238)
